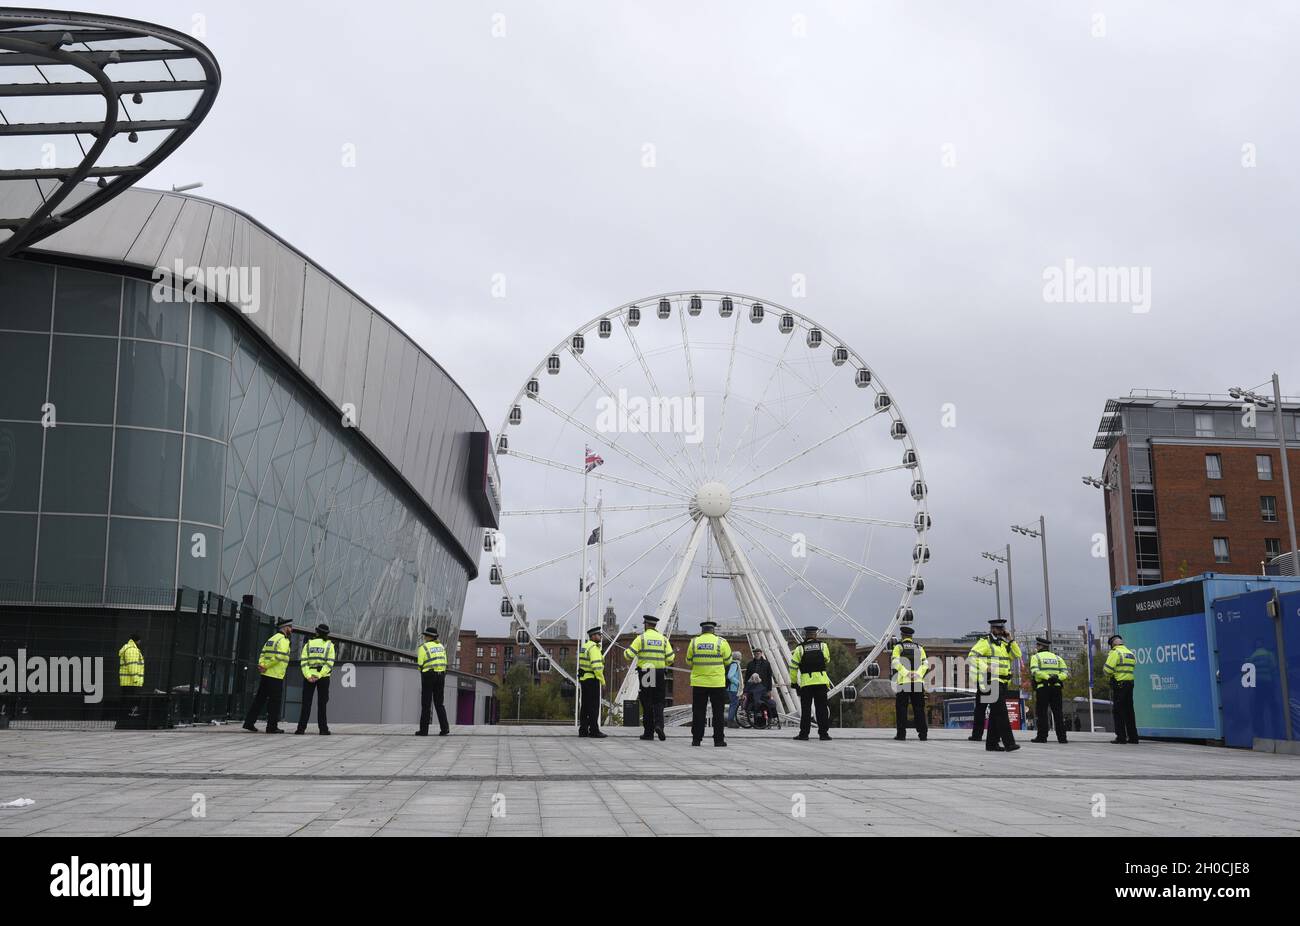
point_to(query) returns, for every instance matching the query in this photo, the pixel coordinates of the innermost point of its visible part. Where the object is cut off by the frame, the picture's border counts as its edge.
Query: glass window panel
(1264, 466)
(82, 376)
(200, 557)
(205, 465)
(146, 473)
(23, 360)
(87, 303)
(76, 469)
(1218, 512)
(212, 331)
(17, 556)
(1213, 466)
(20, 466)
(72, 567)
(26, 293)
(151, 385)
(1265, 426)
(1204, 424)
(208, 398)
(141, 560)
(144, 315)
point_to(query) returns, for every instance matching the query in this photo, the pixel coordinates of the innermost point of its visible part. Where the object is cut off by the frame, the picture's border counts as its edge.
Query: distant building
(1195, 488)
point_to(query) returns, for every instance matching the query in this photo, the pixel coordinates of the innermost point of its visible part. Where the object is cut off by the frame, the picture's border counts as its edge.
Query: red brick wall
(1183, 507)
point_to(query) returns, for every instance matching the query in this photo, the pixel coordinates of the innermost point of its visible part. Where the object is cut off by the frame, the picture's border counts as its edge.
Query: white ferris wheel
(708, 454)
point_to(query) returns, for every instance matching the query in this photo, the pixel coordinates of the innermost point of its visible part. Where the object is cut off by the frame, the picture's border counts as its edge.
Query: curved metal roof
(406, 405)
(89, 97)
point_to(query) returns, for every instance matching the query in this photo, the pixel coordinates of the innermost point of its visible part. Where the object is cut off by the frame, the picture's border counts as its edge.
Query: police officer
(708, 656)
(1119, 669)
(809, 664)
(652, 655)
(431, 657)
(272, 663)
(591, 675)
(130, 676)
(909, 663)
(990, 660)
(1049, 672)
(316, 662)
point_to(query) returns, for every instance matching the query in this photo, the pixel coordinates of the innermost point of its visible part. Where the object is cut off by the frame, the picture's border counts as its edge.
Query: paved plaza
(545, 781)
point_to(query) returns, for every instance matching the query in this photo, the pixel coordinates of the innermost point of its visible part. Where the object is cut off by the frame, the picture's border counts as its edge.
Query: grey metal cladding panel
(108, 232)
(373, 393)
(157, 229)
(360, 319)
(216, 250)
(399, 387)
(337, 303)
(440, 443)
(315, 319)
(415, 435)
(262, 254)
(286, 314)
(188, 235)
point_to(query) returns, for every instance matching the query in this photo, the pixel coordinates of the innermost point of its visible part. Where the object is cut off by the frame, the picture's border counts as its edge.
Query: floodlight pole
(1286, 469)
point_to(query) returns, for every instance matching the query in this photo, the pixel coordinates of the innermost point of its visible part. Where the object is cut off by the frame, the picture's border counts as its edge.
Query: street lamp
(1005, 557)
(1260, 401)
(1114, 486)
(997, 590)
(1040, 533)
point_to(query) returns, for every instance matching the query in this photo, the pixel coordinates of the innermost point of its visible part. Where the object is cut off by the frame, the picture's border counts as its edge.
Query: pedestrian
(272, 663)
(990, 659)
(760, 665)
(1119, 667)
(1048, 672)
(431, 658)
(910, 667)
(317, 662)
(733, 688)
(130, 678)
(591, 675)
(707, 656)
(651, 655)
(809, 666)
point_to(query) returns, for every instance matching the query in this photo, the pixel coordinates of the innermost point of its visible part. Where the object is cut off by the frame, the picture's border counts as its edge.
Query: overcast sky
(921, 165)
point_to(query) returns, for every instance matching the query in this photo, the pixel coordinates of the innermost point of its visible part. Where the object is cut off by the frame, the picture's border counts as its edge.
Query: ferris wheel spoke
(726, 392)
(821, 482)
(655, 583)
(784, 425)
(524, 512)
(654, 389)
(603, 439)
(649, 436)
(822, 516)
(609, 540)
(762, 397)
(829, 554)
(807, 450)
(803, 580)
(690, 379)
(596, 474)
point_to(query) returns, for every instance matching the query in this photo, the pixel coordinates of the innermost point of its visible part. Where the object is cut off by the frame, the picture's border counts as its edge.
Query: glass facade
(147, 444)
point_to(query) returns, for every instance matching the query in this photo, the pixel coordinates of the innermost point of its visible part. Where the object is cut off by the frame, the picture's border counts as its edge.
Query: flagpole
(1092, 723)
(600, 566)
(582, 586)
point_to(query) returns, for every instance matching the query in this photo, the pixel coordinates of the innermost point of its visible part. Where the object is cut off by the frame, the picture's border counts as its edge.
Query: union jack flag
(593, 460)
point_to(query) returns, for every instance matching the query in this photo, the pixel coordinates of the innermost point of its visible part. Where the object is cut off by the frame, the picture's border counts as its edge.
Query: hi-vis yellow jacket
(591, 663)
(431, 656)
(992, 660)
(707, 657)
(651, 650)
(274, 660)
(1120, 664)
(818, 677)
(909, 664)
(1046, 665)
(317, 658)
(130, 666)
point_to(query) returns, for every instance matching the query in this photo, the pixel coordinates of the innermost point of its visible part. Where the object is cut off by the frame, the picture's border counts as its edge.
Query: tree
(843, 662)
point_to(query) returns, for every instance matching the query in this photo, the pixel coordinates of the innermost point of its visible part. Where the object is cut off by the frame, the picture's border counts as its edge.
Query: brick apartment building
(1192, 488)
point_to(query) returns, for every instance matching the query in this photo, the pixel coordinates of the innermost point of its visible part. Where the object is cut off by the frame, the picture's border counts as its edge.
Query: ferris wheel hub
(713, 500)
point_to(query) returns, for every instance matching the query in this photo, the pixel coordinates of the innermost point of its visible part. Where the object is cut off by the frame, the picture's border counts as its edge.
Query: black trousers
(999, 720)
(981, 711)
(700, 697)
(652, 700)
(1126, 725)
(814, 697)
(917, 700)
(589, 717)
(318, 690)
(431, 689)
(1047, 704)
(270, 691)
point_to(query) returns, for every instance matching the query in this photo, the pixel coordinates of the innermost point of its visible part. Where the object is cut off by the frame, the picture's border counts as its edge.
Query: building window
(456, 665)
(479, 654)
(478, 666)
(493, 652)
(1264, 466)
(1213, 466)
(1268, 507)
(1218, 511)
(1272, 547)
(509, 653)
(1144, 508)
(1221, 550)
(1204, 424)
(493, 669)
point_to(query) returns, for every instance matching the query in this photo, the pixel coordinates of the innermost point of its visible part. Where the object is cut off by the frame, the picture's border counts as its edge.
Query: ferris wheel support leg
(758, 615)
(631, 683)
